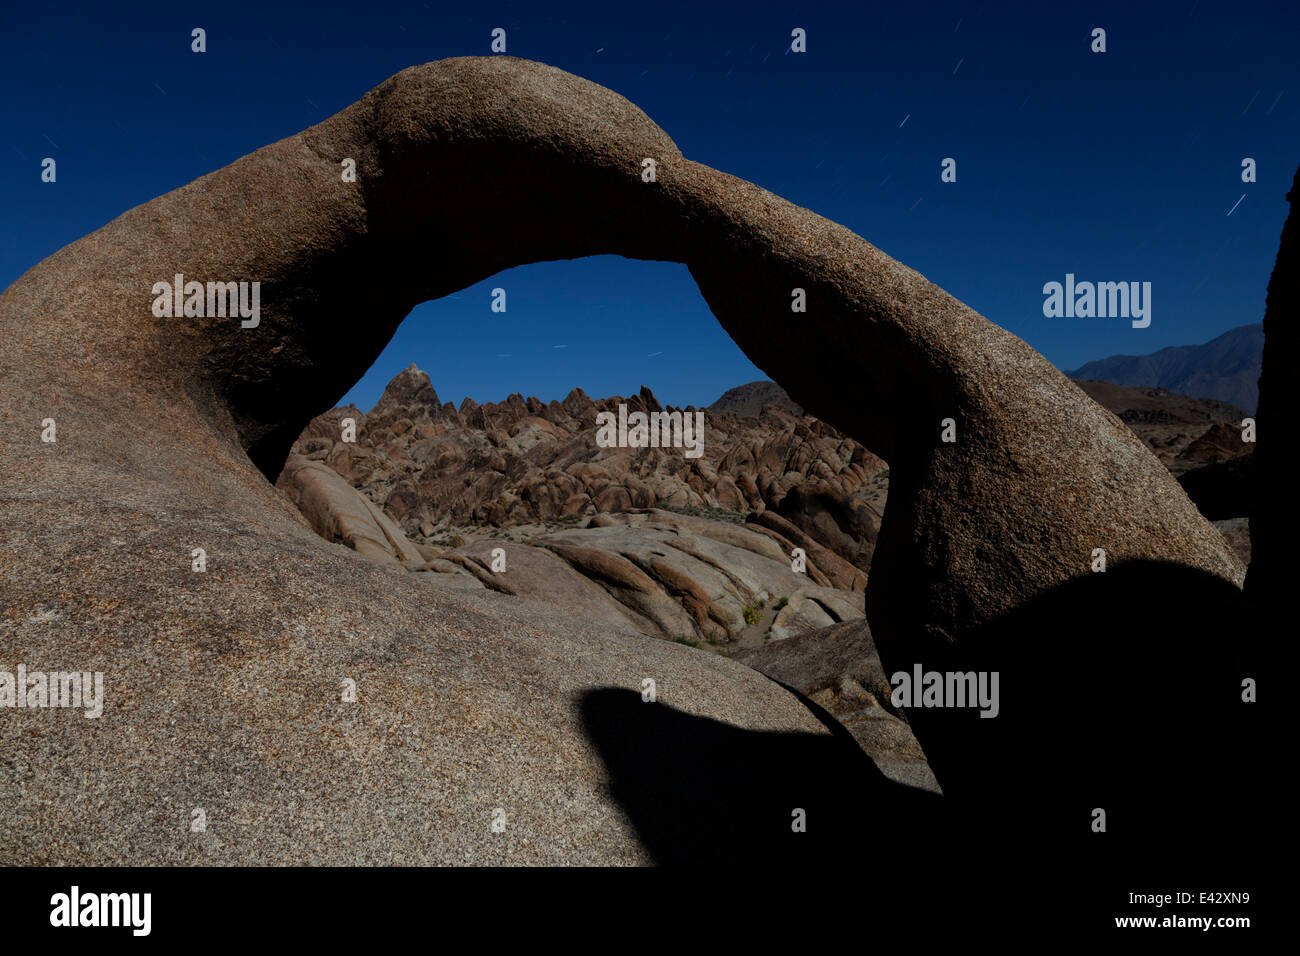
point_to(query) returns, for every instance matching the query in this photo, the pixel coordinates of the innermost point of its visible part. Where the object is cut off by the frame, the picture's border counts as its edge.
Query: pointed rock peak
(411, 387)
(648, 397)
(577, 403)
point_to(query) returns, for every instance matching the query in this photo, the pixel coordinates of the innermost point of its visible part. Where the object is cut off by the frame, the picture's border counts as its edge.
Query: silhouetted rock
(1273, 513)
(1222, 489)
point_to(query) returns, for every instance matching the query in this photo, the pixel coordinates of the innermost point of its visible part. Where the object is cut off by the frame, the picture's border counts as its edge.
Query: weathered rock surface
(541, 575)
(337, 512)
(712, 570)
(829, 569)
(667, 575)
(224, 686)
(1236, 531)
(811, 608)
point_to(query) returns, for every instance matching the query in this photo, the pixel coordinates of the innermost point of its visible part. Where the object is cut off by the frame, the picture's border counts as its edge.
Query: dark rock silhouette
(1272, 515)
(703, 792)
(1222, 489)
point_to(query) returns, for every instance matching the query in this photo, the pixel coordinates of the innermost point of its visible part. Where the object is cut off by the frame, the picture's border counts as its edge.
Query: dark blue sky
(1120, 166)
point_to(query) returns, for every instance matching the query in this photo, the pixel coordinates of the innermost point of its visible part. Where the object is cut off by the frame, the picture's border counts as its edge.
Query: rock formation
(224, 686)
(666, 575)
(748, 400)
(442, 472)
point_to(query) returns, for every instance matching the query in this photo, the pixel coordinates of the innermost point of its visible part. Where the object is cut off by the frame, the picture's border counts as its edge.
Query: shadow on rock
(1120, 691)
(699, 791)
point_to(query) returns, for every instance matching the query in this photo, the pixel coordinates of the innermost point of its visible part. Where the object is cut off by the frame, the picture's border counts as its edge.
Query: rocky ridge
(439, 471)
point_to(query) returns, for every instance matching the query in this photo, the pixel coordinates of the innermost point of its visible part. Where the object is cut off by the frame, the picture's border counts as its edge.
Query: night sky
(1115, 166)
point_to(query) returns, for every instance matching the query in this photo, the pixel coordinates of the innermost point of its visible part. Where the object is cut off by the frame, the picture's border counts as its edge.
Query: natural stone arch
(470, 166)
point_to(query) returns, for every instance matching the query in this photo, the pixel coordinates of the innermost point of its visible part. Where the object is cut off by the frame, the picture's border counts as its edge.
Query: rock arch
(469, 166)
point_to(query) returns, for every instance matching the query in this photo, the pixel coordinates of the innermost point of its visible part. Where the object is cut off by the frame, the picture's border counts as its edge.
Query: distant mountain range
(1225, 368)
